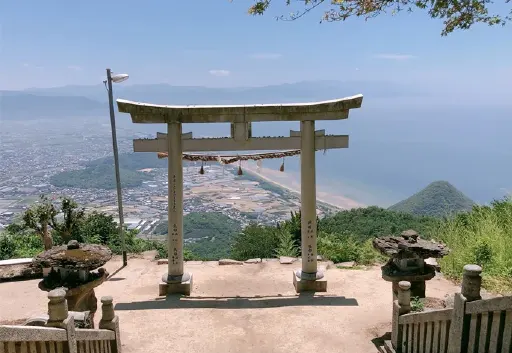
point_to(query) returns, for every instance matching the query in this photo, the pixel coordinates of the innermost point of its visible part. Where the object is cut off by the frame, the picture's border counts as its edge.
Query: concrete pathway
(250, 308)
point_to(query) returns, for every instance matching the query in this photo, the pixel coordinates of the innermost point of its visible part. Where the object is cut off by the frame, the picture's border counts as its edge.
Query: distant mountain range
(438, 199)
(18, 105)
(69, 101)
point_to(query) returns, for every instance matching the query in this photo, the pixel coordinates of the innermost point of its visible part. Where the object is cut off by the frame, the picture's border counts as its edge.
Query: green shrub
(19, 245)
(337, 248)
(161, 248)
(255, 241)
(342, 248)
(7, 247)
(368, 255)
(286, 244)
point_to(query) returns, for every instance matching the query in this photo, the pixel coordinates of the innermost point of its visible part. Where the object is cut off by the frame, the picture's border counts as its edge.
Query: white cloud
(396, 57)
(75, 68)
(219, 72)
(266, 56)
(27, 65)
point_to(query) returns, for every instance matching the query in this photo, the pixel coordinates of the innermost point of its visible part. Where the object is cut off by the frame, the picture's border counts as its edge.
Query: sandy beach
(291, 182)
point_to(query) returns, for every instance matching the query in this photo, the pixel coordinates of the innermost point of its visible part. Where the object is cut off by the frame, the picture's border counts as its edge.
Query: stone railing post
(57, 308)
(401, 306)
(471, 282)
(109, 321)
(107, 310)
(404, 297)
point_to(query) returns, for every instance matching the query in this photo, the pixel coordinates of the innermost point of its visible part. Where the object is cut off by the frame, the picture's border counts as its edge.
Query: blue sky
(216, 43)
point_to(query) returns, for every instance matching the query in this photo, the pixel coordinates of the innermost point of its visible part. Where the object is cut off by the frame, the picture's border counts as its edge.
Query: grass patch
(355, 267)
(483, 237)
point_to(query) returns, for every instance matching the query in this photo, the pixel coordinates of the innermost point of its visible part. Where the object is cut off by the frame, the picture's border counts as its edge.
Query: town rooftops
(327, 110)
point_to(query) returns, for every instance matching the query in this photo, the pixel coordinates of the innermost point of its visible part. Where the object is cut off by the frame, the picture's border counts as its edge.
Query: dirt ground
(249, 308)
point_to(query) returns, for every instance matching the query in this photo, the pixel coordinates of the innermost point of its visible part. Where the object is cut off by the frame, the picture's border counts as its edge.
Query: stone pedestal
(309, 285)
(175, 285)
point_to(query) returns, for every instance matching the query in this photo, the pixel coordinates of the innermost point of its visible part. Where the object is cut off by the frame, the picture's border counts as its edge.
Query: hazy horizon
(399, 140)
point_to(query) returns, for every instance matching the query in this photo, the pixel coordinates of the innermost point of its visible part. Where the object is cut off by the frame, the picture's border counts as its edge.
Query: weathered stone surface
(471, 282)
(433, 262)
(410, 234)
(409, 245)
(73, 244)
(285, 260)
(346, 264)
(20, 271)
(253, 261)
(230, 262)
(87, 256)
(81, 320)
(392, 274)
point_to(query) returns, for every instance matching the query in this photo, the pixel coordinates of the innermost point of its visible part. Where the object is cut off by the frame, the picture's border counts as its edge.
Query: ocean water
(396, 150)
(399, 146)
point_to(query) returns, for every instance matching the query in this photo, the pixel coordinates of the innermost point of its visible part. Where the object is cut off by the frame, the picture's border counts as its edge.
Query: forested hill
(438, 199)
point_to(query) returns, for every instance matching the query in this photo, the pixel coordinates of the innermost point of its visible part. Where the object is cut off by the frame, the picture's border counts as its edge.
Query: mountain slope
(15, 105)
(438, 199)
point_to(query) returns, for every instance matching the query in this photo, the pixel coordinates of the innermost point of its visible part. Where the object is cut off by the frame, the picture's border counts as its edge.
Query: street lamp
(116, 79)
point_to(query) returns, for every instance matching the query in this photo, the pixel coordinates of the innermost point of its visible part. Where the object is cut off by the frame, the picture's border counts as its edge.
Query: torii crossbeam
(241, 116)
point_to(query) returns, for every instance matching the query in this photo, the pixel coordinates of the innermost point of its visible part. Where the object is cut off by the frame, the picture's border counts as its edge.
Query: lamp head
(119, 78)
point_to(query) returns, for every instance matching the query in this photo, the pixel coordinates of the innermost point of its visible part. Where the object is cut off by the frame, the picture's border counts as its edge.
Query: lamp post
(116, 79)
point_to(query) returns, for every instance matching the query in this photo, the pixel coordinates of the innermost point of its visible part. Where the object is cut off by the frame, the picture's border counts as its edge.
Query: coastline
(292, 183)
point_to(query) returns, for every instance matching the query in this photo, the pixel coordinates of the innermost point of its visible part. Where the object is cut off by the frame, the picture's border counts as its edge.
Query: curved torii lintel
(327, 110)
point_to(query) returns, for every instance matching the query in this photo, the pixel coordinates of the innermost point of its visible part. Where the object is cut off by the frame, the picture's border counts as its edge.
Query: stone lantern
(407, 263)
(71, 267)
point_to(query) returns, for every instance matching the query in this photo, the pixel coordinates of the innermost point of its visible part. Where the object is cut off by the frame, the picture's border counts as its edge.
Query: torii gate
(240, 116)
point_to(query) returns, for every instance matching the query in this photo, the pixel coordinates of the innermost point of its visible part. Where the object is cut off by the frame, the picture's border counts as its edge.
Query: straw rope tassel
(201, 171)
(240, 168)
(281, 169)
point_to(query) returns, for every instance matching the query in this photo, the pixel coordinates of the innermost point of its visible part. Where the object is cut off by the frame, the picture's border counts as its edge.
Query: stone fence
(59, 334)
(472, 325)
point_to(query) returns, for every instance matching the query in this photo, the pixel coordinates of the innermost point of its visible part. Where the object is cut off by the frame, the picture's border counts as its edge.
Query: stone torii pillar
(308, 278)
(176, 280)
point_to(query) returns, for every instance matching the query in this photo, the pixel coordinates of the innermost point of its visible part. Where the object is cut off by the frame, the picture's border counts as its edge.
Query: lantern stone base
(182, 285)
(302, 285)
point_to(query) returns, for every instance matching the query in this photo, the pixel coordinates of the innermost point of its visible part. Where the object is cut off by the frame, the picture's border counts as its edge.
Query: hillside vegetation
(101, 176)
(344, 236)
(484, 237)
(131, 161)
(213, 234)
(438, 199)
(100, 173)
(481, 236)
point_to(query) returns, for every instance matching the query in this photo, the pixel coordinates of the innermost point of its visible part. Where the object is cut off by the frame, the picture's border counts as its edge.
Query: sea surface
(399, 146)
